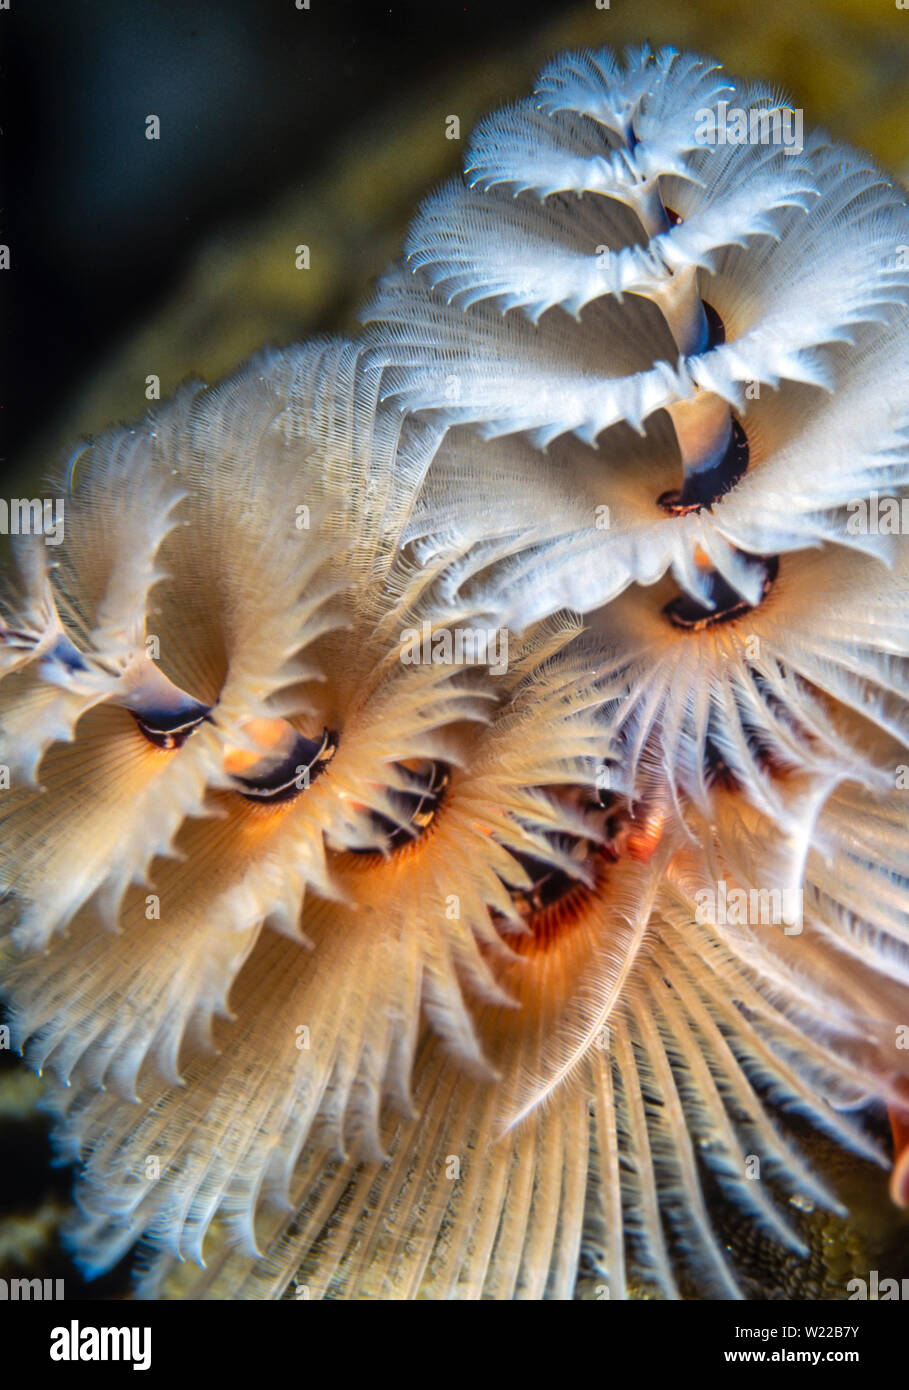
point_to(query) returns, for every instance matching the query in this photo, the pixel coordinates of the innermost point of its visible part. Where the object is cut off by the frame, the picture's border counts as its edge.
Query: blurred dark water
(252, 97)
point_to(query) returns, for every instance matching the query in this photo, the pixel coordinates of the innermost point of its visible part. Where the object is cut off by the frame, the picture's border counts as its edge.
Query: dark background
(100, 224)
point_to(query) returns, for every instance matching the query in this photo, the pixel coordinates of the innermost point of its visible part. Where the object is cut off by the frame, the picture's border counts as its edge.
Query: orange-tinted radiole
(291, 769)
(556, 898)
(170, 728)
(417, 806)
(899, 1178)
(727, 603)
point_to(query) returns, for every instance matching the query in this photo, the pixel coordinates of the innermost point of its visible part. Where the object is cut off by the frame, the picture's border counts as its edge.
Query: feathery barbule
(456, 779)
